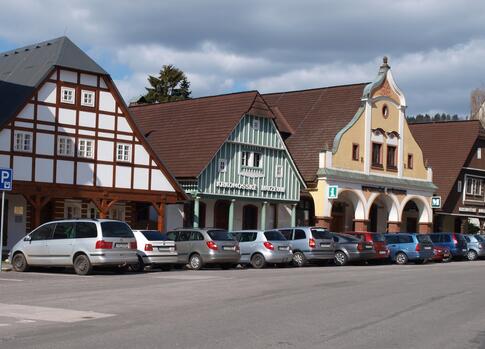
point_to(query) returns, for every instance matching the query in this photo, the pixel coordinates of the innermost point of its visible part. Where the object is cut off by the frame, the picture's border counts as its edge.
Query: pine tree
(170, 85)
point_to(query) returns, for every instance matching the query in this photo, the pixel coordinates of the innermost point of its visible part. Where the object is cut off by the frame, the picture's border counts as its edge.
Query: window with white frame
(117, 212)
(23, 141)
(87, 98)
(123, 152)
(279, 171)
(222, 165)
(65, 146)
(85, 148)
(459, 187)
(255, 124)
(251, 159)
(479, 153)
(72, 209)
(474, 187)
(68, 95)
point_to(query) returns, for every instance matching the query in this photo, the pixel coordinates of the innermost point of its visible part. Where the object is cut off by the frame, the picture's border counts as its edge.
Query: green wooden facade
(276, 179)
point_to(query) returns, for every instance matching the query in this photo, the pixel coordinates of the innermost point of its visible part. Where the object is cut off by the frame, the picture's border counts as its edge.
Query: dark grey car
(309, 244)
(199, 247)
(351, 249)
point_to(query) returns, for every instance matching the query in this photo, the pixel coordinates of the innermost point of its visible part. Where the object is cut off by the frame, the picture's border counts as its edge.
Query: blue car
(405, 247)
(455, 242)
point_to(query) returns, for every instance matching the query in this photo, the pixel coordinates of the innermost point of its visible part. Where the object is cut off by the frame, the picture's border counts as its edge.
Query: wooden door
(250, 217)
(221, 214)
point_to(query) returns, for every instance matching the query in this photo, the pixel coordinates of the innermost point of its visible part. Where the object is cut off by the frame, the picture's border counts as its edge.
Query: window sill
(377, 167)
(392, 169)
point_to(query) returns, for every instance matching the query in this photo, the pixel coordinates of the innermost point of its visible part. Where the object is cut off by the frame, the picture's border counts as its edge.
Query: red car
(441, 254)
(377, 239)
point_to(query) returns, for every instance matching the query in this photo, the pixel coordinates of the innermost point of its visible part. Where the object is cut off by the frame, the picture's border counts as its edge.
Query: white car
(80, 243)
(154, 249)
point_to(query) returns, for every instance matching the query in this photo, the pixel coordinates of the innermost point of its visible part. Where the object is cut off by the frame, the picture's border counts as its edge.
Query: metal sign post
(6, 178)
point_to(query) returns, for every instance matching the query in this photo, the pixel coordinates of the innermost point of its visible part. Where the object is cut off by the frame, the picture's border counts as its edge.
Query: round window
(385, 111)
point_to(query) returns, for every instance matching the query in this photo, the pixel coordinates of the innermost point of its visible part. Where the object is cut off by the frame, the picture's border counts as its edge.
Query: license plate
(446, 255)
(283, 248)
(382, 252)
(172, 249)
(325, 245)
(427, 248)
(162, 249)
(368, 247)
(228, 248)
(121, 244)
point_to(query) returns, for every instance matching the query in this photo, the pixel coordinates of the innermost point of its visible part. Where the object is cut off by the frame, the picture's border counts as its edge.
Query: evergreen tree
(170, 85)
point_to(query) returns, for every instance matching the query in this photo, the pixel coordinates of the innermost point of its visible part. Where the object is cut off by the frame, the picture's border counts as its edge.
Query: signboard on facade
(436, 202)
(333, 191)
(467, 209)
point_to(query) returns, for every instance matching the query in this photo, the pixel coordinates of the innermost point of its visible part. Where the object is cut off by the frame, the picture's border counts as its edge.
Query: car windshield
(154, 235)
(274, 235)
(480, 238)
(116, 230)
(321, 234)
(378, 237)
(219, 235)
(424, 238)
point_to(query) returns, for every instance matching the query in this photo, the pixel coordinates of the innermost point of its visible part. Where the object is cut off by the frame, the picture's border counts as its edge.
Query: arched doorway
(410, 216)
(346, 209)
(338, 217)
(383, 209)
(221, 214)
(250, 217)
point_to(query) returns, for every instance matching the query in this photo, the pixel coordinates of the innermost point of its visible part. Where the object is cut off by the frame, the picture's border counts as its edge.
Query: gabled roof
(446, 147)
(315, 116)
(187, 134)
(23, 69)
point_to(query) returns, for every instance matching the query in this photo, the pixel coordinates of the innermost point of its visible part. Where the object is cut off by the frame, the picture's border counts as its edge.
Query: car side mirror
(27, 238)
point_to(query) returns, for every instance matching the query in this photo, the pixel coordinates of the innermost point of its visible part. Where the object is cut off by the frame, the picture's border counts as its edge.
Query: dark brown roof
(315, 116)
(187, 134)
(446, 146)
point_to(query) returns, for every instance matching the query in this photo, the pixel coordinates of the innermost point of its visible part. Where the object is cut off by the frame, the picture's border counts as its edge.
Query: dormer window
(255, 124)
(68, 95)
(251, 159)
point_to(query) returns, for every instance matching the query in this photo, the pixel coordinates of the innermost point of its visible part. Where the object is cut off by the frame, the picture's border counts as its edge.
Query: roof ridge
(23, 48)
(431, 122)
(194, 99)
(316, 88)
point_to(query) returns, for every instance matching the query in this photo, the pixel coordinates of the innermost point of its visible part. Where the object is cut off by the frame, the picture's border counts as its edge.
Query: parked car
(81, 243)
(407, 247)
(455, 242)
(154, 250)
(259, 248)
(441, 254)
(378, 241)
(309, 244)
(349, 248)
(475, 247)
(198, 247)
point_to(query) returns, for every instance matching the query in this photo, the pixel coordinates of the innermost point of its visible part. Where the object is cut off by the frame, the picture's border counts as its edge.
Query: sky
(436, 48)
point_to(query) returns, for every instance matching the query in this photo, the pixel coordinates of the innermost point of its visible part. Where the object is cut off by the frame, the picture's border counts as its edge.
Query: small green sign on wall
(436, 202)
(333, 191)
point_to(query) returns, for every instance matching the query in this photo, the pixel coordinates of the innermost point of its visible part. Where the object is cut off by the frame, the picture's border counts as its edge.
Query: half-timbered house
(228, 153)
(72, 143)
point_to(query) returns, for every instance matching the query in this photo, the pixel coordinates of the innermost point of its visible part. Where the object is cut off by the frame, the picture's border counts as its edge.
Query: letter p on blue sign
(6, 179)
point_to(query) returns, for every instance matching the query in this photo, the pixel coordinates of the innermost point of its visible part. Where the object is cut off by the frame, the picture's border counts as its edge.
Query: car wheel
(340, 258)
(447, 260)
(401, 258)
(82, 265)
(195, 262)
(299, 259)
(258, 261)
(472, 255)
(138, 267)
(19, 263)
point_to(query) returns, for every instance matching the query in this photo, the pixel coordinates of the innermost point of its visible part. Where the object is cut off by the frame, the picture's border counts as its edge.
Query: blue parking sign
(6, 178)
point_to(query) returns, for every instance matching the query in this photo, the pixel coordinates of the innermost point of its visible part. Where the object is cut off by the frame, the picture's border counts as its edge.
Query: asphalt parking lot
(383, 306)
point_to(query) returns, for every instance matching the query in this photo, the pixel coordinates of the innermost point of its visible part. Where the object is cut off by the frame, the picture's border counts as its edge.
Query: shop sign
(436, 202)
(273, 189)
(242, 186)
(467, 209)
(333, 191)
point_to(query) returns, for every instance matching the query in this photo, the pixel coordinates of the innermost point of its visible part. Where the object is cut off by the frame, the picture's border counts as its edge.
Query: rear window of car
(287, 233)
(219, 235)
(154, 235)
(321, 234)
(435, 237)
(460, 237)
(378, 237)
(274, 235)
(300, 234)
(116, 230)
(424, 238)
(245, 237)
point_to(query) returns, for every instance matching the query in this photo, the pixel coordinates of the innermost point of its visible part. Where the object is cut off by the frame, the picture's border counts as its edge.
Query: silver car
(259, 248)
(199, 247)
(309, 244)
(352, 249)
(475, 246)
(80, 243)
(154, 250)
